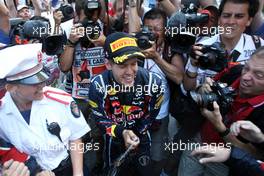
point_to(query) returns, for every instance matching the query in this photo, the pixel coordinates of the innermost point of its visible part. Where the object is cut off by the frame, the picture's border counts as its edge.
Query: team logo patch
(144, 160)
(75, 110)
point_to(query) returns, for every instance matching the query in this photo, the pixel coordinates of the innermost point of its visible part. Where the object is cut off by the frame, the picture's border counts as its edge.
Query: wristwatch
(225, 133)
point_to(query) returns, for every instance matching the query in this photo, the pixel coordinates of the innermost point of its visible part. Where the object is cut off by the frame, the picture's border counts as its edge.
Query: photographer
(247, 105)
(235, 16)
(24, 12)
(82, 59)
(238, 46)
(83, 56)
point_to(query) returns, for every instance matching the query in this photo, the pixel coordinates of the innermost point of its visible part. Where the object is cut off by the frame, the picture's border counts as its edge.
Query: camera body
(67, 11)
(40, 30)
(213, 58)
(53, 45)
(145, 38)
(222, 94)
(34, 29)
(92, 30)
(90, 7)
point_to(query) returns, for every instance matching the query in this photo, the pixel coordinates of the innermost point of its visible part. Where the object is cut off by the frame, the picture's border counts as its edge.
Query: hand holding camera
(98, 41)
(151, 53)
(212, 57)
(77, 32)
(218, 92)
(58, 16)
(214, 116)
(196, 53)
(145, 38)
(205, 88)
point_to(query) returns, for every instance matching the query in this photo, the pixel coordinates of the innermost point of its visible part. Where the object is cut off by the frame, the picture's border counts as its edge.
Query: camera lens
(68, 11)
(204, 100)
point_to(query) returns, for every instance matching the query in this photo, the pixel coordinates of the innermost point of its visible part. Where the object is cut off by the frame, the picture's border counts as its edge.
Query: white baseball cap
(20, 7)
(22, 64)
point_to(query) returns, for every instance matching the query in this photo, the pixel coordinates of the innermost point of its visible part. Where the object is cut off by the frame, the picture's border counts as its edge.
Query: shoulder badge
(75, 110)
(57, 96)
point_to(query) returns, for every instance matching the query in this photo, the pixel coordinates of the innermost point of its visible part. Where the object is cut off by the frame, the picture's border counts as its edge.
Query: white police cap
(22, 64)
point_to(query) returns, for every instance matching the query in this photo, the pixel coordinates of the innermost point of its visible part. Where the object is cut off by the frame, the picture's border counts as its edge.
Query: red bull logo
(130, 109)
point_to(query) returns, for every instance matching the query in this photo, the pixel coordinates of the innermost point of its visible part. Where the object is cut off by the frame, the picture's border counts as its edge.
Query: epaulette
(58, 96)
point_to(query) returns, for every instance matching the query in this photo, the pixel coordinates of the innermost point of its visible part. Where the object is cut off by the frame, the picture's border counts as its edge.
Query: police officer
(41, 121)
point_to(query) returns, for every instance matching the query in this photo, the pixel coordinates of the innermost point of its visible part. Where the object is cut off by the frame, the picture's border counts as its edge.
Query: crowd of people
(137, 87)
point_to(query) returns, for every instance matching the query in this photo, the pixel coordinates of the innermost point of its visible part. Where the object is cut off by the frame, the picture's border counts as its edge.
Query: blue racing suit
(116, 107)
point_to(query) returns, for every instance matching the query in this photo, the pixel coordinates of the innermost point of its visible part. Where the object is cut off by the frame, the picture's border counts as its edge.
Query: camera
(92, 29)
(90, 7)
(118, 25)
(192, 15)
(180, 39)
(182, 42)
(33, 29)
(213, 58)
(53, 45)
(222, 94)
(67, 11)
(40, 30)
(145, 38)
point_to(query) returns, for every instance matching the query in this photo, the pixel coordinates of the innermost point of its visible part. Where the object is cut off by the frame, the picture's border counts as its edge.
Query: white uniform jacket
(35, 139)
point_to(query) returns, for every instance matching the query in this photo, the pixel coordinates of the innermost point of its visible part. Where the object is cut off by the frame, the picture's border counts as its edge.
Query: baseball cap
(20, 7)
(22, 64)
(120, 46)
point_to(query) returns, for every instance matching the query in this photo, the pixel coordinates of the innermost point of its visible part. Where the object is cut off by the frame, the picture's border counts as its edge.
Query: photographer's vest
(240, 110)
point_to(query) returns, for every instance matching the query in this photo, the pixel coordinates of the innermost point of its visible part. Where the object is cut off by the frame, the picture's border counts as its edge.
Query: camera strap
(234, 56)
(107, 13)
(256, 41)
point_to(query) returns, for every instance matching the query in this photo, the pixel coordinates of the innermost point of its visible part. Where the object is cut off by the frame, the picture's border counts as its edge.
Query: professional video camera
(213, 58)
(192, 15)
(67, 11)
(222, 94)
(145, 38)
(40, 30)
(31, 29)
(90, 7)
(177, 34)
